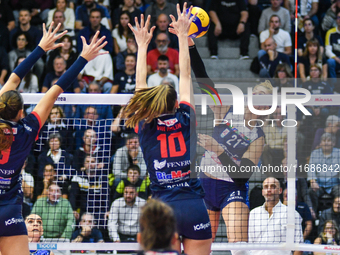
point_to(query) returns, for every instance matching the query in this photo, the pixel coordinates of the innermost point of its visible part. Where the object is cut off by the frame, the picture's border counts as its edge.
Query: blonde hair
(267, 85)
(148, 103)
(323, 234)
(157, 225)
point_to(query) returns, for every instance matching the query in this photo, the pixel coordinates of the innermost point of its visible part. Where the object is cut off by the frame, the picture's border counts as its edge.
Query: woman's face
(330, 229)
(314, 72)
(21, 42)
(55, 115)
(130, 63)
(67, 44)
(54, 144)
(281, 74)
(124, 20)
(312, 49)
(61, 5)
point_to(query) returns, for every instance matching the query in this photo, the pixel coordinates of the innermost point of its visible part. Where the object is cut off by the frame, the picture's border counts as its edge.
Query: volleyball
(200, 23)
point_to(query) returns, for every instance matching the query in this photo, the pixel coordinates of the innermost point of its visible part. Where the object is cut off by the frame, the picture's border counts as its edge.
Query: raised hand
(49, 38)
(90, 51)
(142, 35)
(182, 25)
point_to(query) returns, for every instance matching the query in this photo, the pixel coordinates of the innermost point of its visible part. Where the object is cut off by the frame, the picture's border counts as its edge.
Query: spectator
(50, 177)
(278, 10)
(83, 17)
(56, 214)
(272, 59)
(61, 159)
(332, 213)
(312, 56)
(125, 82)
(131, 48)
(162, 42)
(131, 153)
(309, 35)
(61, 5)
(90, 148)
(280, 36)
(121, 32)
(121, 132)
(162, 67)
(4, 66)
(21, 49)
(321, 182)
(229, 21)
(308, 10)
(100, 70)
(160, 6)
(59, 17)
(123, 223)
(283, 76)
(40, 11)
(89, 189)
(6, 15)
(59, 66)
(25, 26)
(328, 236)
(56, 123)
(133, 178)
(162, 25)
(28, 190)
(315, 85)
(305, 213)
(333, 49)
(329, 20)
(332, 127)
(268, 223)
(67, 52)
(128, 5)
(94, 26)
(29, 84)
(275, 133)
(87, 233)
(103, 111)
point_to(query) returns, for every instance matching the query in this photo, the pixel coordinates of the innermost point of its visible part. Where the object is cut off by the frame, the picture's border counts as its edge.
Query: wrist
(242, 22)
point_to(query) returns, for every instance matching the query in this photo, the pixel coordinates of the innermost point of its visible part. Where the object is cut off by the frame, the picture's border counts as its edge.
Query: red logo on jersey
(168, 123)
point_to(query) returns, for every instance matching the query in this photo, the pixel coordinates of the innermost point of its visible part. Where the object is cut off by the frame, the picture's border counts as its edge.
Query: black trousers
(229, 31)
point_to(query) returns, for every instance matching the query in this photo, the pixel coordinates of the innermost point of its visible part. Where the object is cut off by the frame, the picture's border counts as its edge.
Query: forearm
(141, 68)
(214, 18)
(244, 17)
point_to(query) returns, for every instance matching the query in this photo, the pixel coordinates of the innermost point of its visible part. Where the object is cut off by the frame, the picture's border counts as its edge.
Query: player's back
(169, 148)
(25, 133)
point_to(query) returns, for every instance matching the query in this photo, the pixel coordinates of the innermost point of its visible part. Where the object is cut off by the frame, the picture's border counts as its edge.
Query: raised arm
(143, 38)
(89, 52)
(47, 43)
(181, 29)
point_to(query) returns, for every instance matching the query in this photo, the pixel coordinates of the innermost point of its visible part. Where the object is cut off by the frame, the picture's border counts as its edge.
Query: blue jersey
(235, 138)
(25, 133)
(166, 142)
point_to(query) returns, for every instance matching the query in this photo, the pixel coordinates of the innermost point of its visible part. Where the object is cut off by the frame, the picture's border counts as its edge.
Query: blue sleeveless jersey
(25, 133)
(166, 143)
(235, 139)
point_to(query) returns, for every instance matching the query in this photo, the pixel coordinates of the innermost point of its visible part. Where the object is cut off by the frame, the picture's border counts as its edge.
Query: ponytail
(6, 136)
(11, 103)
(148, 103)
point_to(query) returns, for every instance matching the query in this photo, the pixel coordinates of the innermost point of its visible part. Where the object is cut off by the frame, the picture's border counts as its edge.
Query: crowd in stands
(87, 168)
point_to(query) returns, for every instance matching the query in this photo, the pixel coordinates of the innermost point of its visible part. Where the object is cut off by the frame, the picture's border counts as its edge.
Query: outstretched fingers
(142, 21)
(95, 37)
(178, 10)
(99, 47)
(56, 29)
(137, 23)
(61, 35)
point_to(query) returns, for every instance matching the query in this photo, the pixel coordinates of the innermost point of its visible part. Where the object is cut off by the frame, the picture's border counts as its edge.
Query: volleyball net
(85, 160)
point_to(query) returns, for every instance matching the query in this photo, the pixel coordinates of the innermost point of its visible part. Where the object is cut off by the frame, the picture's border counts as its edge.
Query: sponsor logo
(28, 128)
(225, 132)
(201, 226)
(180, 163)
(159, 165)
(47, 246)
(13, 221)
(323, 99)
(161, 176)
(61, 99)
(168, 123)
(7, 172)
(5, 181)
